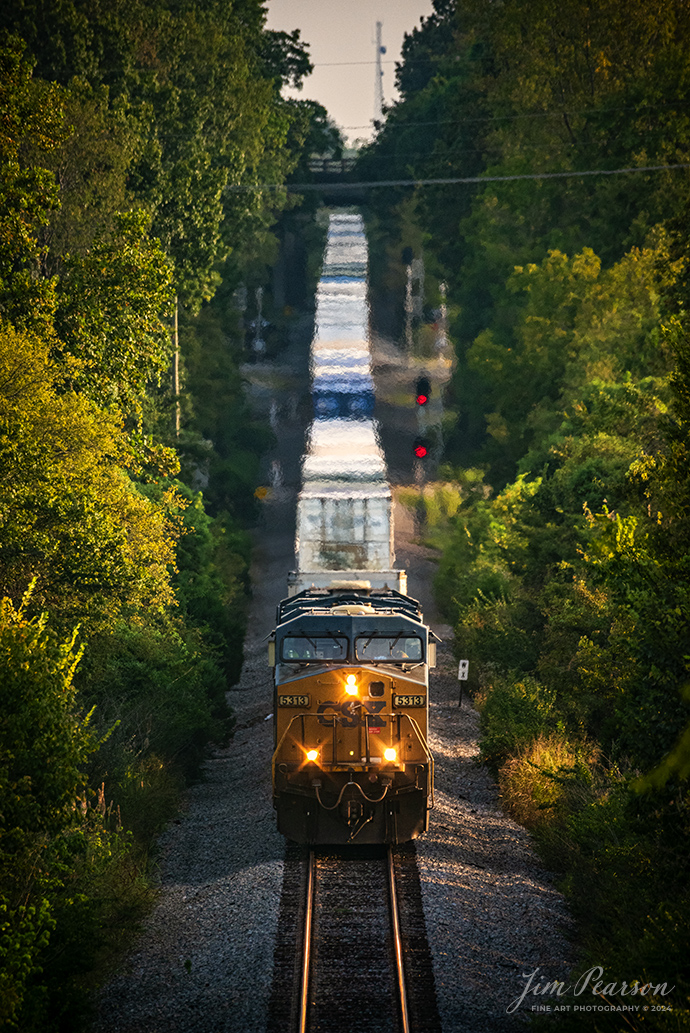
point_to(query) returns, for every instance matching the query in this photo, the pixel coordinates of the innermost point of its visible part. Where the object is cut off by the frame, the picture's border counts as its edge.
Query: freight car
(342, 384)
(345, 510)
(351, 761)
(340, 391)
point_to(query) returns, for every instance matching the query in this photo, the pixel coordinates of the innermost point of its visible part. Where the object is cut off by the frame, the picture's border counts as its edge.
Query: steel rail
(306, 946)
(397, 944)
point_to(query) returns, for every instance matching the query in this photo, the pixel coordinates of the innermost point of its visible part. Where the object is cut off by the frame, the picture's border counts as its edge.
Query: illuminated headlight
(351, 685)
(312, 754)
(390, 755)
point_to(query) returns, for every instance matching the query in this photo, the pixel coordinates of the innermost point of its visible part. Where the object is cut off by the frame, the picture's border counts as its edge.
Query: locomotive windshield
(297, 648)
(396, 648)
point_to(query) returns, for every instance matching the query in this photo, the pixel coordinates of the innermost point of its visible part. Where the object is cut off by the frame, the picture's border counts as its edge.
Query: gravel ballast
(205, 959)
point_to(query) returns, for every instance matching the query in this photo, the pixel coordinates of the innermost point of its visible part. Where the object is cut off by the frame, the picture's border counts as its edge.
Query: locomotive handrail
(297, 717)
(429, 754)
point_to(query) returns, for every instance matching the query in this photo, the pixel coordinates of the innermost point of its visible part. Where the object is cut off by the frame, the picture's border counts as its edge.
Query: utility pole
(378, 84)
(442, 336)
(408, 259)
(176, 373)
(259, 343)
(409, 308)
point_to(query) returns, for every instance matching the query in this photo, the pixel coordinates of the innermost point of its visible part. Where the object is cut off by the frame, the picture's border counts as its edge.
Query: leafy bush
(162, 688)
(44, 746)
(212, 580)
(514, 714)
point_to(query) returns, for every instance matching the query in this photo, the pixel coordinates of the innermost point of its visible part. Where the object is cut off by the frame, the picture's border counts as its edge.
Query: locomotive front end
(351, 760)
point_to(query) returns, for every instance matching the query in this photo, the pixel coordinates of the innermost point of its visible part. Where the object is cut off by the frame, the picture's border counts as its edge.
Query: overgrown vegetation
(123, 584)
(562, 514)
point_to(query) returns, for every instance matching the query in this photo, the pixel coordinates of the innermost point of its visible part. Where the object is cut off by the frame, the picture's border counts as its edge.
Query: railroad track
(351, 951)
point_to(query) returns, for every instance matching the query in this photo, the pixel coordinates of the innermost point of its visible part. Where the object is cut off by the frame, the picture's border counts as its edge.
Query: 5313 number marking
(409, 701)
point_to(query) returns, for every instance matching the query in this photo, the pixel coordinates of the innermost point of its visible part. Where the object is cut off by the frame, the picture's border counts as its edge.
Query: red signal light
(422, 390)
(420, 451)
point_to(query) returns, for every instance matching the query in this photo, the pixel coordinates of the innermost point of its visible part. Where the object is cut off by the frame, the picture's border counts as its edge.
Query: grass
(547, 778)
(622, 856)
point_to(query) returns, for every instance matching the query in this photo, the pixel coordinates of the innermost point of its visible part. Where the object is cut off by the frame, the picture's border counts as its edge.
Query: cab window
(297, 648)
(393, 648)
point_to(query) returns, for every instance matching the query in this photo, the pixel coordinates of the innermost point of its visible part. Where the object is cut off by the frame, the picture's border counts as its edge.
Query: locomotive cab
(351, 761)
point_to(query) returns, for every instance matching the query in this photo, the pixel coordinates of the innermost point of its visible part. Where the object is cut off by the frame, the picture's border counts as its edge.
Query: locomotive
(350, 652)
(351, 760)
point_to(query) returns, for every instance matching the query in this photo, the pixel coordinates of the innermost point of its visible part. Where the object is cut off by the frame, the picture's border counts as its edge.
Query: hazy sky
(345, 31)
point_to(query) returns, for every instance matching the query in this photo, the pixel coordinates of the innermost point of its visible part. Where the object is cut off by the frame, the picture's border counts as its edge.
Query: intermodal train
(350, 652)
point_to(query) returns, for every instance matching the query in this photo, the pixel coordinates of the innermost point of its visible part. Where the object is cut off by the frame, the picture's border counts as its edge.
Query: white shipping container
(344, 531)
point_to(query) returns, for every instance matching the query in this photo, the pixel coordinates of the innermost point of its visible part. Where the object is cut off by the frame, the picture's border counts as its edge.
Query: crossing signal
(422, 390)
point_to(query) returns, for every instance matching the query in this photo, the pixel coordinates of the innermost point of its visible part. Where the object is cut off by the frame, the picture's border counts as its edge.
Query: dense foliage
(43, 750)
(563, 520)
(123, 587)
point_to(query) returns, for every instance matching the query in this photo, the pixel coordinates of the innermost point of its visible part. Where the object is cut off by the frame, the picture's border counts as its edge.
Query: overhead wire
(450, 180)
(388, 61)
(526, 115)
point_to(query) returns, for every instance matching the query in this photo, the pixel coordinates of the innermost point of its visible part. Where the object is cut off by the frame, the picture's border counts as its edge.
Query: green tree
(200, 84)
(111, 304)
(91, 166)
(69, 515)
(44, 746)
(576, 332)
(31, 118)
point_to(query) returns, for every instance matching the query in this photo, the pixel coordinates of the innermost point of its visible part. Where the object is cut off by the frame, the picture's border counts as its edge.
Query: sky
(341, 35)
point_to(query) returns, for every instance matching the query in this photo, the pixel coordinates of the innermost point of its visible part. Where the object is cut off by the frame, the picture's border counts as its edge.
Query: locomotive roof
(319, 601)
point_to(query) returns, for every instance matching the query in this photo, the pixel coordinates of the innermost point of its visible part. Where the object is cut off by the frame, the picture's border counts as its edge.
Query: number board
(409, 701)
(293, 701)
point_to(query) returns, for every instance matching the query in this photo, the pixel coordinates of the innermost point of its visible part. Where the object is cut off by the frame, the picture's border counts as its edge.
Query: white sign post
(463, 673)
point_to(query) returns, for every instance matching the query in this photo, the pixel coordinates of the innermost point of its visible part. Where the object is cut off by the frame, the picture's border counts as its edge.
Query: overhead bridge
(335, 179)
(331, 166)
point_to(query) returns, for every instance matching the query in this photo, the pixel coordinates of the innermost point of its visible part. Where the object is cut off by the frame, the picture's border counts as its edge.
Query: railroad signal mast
(422, 390)
(378, 83)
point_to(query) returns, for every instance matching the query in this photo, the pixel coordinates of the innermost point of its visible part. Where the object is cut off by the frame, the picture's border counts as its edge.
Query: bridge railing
(334, 166)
